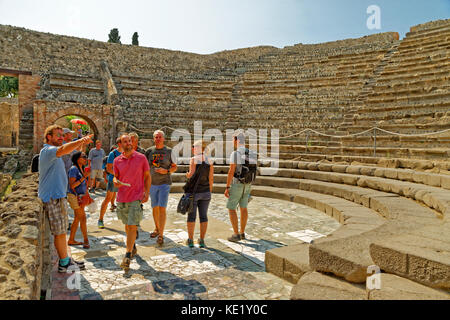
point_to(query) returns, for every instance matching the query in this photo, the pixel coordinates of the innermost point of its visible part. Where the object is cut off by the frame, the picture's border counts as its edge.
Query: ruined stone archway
(99, 118)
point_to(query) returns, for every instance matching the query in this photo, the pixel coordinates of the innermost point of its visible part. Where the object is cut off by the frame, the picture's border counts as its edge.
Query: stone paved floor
(224, 270)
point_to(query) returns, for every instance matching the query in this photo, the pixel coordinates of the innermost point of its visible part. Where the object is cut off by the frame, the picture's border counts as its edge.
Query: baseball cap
(67, 130)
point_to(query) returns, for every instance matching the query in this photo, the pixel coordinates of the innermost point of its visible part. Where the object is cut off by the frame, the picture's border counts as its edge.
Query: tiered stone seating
(393, 214)
(411, 96)
(312, 86)
(174, 103)
(72, 88)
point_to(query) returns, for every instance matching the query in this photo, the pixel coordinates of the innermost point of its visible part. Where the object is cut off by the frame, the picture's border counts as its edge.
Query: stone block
(379, 172)
(393, 287)
(433, 180)
(405, 175)
(353, 170)
(313, 166)
(391, 173)
(325, 167)
(302, 165)
(339, 168)
(31, 234)
(317, 286)
(414, 257)
(368, 171)
(347, 258)
(445, 182)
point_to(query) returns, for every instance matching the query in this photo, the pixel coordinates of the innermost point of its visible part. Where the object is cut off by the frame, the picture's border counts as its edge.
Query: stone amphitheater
(364, 138)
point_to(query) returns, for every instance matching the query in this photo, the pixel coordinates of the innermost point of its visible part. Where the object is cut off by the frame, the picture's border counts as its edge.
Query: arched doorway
(98, 117)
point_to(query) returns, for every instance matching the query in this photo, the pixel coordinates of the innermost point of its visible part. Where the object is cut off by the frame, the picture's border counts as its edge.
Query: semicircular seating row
(394, 218)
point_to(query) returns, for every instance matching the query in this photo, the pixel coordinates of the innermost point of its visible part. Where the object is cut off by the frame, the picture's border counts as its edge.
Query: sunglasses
(84, 157)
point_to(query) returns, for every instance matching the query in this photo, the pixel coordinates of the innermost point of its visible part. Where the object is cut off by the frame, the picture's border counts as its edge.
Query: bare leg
(203, 227)
(191, 228)
(83, 226)
(131, 237)
(74, 226)
(61, 245)
(234, 220)
(113, 200)
(161, 220)
(105, 202)
(156, 218)
(244, 218)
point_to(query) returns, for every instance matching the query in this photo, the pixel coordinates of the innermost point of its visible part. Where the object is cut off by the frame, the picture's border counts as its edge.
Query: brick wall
(9, 122)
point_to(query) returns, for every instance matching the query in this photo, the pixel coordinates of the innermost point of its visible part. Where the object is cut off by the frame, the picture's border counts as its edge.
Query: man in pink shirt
(133, 180)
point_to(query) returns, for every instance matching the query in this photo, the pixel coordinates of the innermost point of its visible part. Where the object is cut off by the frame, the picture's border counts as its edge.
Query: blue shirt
(112, 155)
(52, 175)
(75, 173)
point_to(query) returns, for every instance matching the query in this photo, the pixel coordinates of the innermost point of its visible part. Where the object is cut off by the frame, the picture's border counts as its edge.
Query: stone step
(420, 255)
(393, 287)
(317, 286)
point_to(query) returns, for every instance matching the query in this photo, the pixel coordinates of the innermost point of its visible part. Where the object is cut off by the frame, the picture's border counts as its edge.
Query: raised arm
(69, 147)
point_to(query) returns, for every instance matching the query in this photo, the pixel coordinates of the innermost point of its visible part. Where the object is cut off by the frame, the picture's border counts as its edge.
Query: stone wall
(5, 180)
(23, 242)
(98, 117)
(9, 122)
(40, 52)
(429, 25)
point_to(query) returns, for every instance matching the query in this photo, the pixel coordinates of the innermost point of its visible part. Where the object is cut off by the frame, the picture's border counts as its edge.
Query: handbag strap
(198, 178)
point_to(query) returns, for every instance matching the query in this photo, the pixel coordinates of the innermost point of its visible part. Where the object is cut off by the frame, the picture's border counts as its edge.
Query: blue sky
(207, 26)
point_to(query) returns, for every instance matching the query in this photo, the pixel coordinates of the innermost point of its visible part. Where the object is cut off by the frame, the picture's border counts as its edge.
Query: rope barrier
(322, 134)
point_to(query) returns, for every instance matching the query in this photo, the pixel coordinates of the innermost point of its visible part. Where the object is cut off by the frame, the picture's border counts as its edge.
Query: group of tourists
(133, 176)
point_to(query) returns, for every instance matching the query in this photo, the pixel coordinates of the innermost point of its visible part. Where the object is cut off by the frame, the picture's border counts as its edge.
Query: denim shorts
(110, 187)
(130, 213)
(239, 194)
(159, 195)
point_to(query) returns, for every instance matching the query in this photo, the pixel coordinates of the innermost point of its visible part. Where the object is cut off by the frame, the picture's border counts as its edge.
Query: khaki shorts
(97, 174)
(239, 194)
(73, 201)
(130, 213)
(56, 211)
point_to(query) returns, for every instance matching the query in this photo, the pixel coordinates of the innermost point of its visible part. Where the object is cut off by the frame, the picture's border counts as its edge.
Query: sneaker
(100, 224)
(234, 238)
(80, 264)
(72, 265)
(125, 265)
(201, 243)
(190, 243)
(242, 236)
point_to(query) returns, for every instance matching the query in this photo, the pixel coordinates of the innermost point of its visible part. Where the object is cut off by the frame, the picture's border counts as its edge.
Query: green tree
(9, 86)
(114, 36)
(135, 41)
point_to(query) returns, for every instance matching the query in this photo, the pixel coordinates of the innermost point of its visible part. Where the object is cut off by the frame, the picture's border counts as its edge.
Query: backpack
(35, 163)
(248, 170)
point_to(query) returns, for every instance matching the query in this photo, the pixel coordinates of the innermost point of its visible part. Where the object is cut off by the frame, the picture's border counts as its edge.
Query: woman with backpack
(78, 197)
(200, 182)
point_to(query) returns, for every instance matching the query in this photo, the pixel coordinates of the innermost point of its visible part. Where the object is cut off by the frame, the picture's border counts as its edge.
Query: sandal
(154, 234)
(86, 245)
(74, 243)
(113, 207)
(160, 240)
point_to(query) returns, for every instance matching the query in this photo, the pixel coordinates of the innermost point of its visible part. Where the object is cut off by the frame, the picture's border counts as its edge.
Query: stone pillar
(28, 86)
